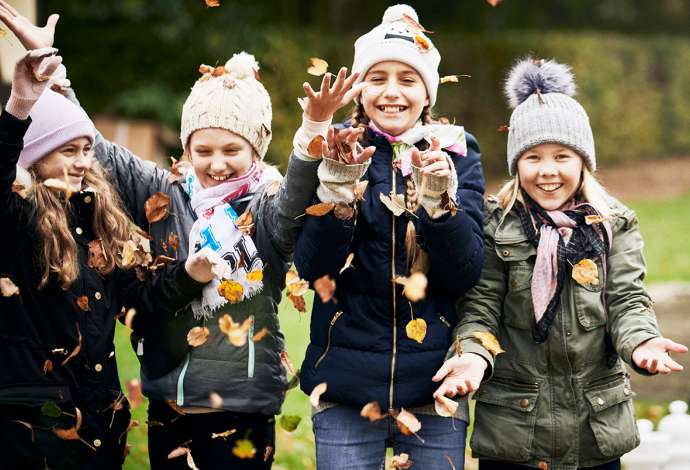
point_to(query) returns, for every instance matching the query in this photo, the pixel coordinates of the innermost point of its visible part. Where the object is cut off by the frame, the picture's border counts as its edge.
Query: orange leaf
(197, 336)
(48, 366)
(70, 434)
(320, 209)
(212, 3)
(317, 66)
(236, 332)
(231, 290)
(20, 189)
(83, 303)
(245, 223)
(585, 273)
(7, 287)
(594, 219)
(156, 207)
(298, 302)
(416, 329)
(315, 147)
(97, 258)
(503, 128)
(325, 287)
(255, 276)
(489, 342)
(261, 334)
(407, 422)
(372, 411)
(316, 393)
(493, 3)
(445, 407)
(294, 284)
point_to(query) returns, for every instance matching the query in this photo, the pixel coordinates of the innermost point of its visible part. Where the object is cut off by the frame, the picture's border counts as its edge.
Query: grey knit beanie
(540, 91)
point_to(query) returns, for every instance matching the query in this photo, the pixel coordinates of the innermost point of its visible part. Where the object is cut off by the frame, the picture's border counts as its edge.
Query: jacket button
(505, 252)
(98, 296)
(568, 333)
(600, 401)
(87, 199)
(96, 442)
(78, 230)
(524, 403)
(98, 367)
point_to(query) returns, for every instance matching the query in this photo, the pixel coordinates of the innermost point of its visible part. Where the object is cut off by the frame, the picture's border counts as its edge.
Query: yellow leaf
(372, 411)
(422, 42)
(197, 336)
(445, 406)
(414, 286)
(245, 223)
(231, 290)
(360, 188)
(585, 273)
(236, 333)
(489, 342)
(294, 285)
(316, 393)
(7, 287)
(395, 203)
(255, 276)
(244, 449)
(212, 3)
(320, 209)
(317, 66)
(315, 147)
(416, 329)
(261, 334)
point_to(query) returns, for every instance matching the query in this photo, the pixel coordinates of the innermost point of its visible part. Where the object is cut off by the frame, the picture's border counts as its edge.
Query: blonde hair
(590, 190)
(59, 254)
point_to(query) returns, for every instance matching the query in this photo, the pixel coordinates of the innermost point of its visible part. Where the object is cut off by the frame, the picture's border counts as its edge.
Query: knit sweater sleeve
(12, 132)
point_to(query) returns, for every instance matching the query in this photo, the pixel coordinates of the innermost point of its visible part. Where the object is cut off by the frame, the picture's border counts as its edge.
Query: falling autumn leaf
(453, 78)
(134, 393)
(489, 342)
(255, 276)
(320, 209)
(236, 332)
(272, 189)
(83, 303)
(177, 452)
(20, 189)
(394, 202)
(261, 334)
(344, 211)
(585, 273)
(543, 465)
(401, 461)
(448, 203)
(157, 207)
(97, 257)
(298, 302)
(244, 449)
(76, 350)
(128, 254)
(503, 128)
(245, 223)
(372, 411)
(445, 407)
(47, 366)
(216, 401)
(594, 219)
(231, 290)
(407, 422)
(175, 171)
(316, 393)
(70, 434)
(348, 263)
(414, 286)
(197, 336)
(416, 329)
(287, 363)
(212, 3)
(317, 66)
(289, 422)
(315, 147)
(7, 287)
(223, 434)
(360, 188)
(325, 287)
(493, 3)
(58, 185)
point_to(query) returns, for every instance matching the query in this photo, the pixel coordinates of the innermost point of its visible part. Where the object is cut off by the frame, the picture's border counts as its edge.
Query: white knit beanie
(541, 92)
(399, 37)
(234, 100)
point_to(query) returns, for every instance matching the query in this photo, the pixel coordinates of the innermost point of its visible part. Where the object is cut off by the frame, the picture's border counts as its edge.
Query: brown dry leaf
(71, 434)
(448, 203)
(97, 257)
(445, 407)
(260, 335)
(236, 332)
(360, 188)
(47, 366)
(394, 202)
(489, 342)
(458, 346)
(416, 329)
(178, 452)
(407, 422)
(134, 393)
(298, 302)
(212, 3)
(348, 263)
(316, 393)
(344, 211)
(129, 317)
(83, 303)
(20, 189)
(175, 173)
(372, 411)
(76, 350)
(414, 286)
(231, 290)
(223, 434)
(285, 360)
(245, 223)
(315, 147)
(415, 24)
(218, 71)
(128, 255)
(422, 42)
(244, 449)
(493, 3)
(157, 207)
(197, 336)
(317, 66)
(272, 189)
(401, 461)
(585, 273)
(320, 209)
(216, 402)
(295, 285)
(595, 219)
(325, 287)
(7, 287)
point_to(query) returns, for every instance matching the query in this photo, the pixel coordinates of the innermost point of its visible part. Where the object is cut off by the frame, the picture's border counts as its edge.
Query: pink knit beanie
(54, 121)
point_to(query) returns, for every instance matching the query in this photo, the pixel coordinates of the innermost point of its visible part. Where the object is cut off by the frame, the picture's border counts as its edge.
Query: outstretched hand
(433, 161)
(460, 374)
(343, 145)
(653, 355)
(30, 35)
(321, 105)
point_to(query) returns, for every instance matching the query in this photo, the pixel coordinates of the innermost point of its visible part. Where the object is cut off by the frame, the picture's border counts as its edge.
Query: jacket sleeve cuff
(338, 180)
(430, 188)
(186, 285)
(630, 346)
(19, 107)
(304, 135)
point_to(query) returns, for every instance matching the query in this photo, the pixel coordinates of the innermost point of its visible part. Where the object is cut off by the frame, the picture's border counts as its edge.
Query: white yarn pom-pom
(242, 65)
(396, 12)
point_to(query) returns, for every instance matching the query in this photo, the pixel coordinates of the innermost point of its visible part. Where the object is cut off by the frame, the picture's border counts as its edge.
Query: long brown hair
(59, 254)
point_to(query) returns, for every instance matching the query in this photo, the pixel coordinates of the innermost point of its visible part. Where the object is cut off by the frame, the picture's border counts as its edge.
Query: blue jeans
(346, 441)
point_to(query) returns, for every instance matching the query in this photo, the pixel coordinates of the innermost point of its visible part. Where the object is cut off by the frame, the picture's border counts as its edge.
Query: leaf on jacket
(298, 302)
(348, 263)
(372, 411)
(127, 256)
(415, 25)
(76, 350)
(51, 410)
(458, 346)
(316, 393)
(285, 360)
(212, 3)
(245, 223)
(97, 257)
(448, 203)
(289, 422)
(344, 211)
(244, 449)
(401, 461)
(70, 434)
(47, 367)
(20, 189)
(394, 202)
(493, 3)
(216, 402)
(317, 67)
(543, 465)
(272, 189)
(422, 43)
(173, 241)
(83, 303)
(134, 394)
(197, 336)
(315, 147)
(261, 334)
(489, 342)
(445, 407)
(414, 286)
(255, 276)
(325, 287)
(231, 290)
(360, 189)
(585, 273)
(136, 252)
(178, 409)
(416, 329)
(595, 219)
(224, 434)
(236, 332)
(320, 209)
(183, 451)
(157, 207)
(407, 422)
(7, 287)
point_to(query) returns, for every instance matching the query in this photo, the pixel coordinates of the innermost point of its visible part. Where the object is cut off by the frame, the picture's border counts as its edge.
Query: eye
(531, 157)
(562, 156)
(375, 79)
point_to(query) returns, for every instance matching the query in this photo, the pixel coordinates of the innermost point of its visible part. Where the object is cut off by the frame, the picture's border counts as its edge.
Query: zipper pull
(444, 321)
(140, 347)
(336, 316)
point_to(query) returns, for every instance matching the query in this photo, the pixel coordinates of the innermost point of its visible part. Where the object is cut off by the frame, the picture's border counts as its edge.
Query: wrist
(307, 132)
(19, 107)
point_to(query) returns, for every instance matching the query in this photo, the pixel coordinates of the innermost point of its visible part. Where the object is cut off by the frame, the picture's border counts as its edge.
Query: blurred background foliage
(139, 58)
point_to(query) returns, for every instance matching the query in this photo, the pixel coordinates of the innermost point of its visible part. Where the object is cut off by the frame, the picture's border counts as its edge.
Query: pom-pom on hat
(399, 37)
(232, 98)
(541, 93)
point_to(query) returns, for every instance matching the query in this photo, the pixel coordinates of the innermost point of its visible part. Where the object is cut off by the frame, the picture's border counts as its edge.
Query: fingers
(442, 372)
(435, 144)
(326, 84)
(339, 81)
(416, 157)
(37, 55)
(309, 91)
(673, 365)
(49, 65)
(9, 8)
(674, 347)
(52, 21)
(354, 92)
(365, 155)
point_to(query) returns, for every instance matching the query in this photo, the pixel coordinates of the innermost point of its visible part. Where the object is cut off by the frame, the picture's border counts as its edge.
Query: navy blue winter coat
(359, 346)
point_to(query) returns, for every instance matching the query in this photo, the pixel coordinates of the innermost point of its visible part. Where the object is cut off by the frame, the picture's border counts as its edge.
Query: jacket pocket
(505, 416)
(590, 306)
(518, 311)
(612, 417)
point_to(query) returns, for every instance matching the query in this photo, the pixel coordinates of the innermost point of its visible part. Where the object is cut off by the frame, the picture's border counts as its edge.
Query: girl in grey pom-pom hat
(561, 291)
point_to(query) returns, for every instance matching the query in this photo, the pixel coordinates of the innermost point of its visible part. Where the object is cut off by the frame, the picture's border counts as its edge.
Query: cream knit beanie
(232, 99)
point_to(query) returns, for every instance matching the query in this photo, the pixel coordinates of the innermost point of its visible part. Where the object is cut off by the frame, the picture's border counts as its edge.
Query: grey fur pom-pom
(529, 76)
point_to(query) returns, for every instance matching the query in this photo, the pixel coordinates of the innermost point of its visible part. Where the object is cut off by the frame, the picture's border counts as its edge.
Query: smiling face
(218, 155)
(550, 174)
(68, 162)
(394, 97)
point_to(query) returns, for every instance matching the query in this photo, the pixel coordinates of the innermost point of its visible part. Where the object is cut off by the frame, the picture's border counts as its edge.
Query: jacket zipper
(328, 341)
(393, 288)
(250, 345)
(180, 381)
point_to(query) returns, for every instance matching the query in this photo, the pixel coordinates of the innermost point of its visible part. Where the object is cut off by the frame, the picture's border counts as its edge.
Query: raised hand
(31, 77)
(30, 35)
(432, 161)
(460, 374)
(202, 265)
(321, 105)
(344, 146)
(653, 355)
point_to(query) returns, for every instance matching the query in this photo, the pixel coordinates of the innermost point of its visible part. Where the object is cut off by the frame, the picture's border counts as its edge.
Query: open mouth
(391, 108)
(550, 187)
(219, 178)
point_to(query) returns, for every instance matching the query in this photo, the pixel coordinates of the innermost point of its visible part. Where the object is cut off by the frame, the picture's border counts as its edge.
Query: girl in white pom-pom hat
(419, 217)
(561, 292)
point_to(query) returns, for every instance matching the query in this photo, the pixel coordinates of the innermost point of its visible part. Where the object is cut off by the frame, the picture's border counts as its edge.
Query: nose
(392, 89)
(83, 160)
(548, 169)
(217, 163)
